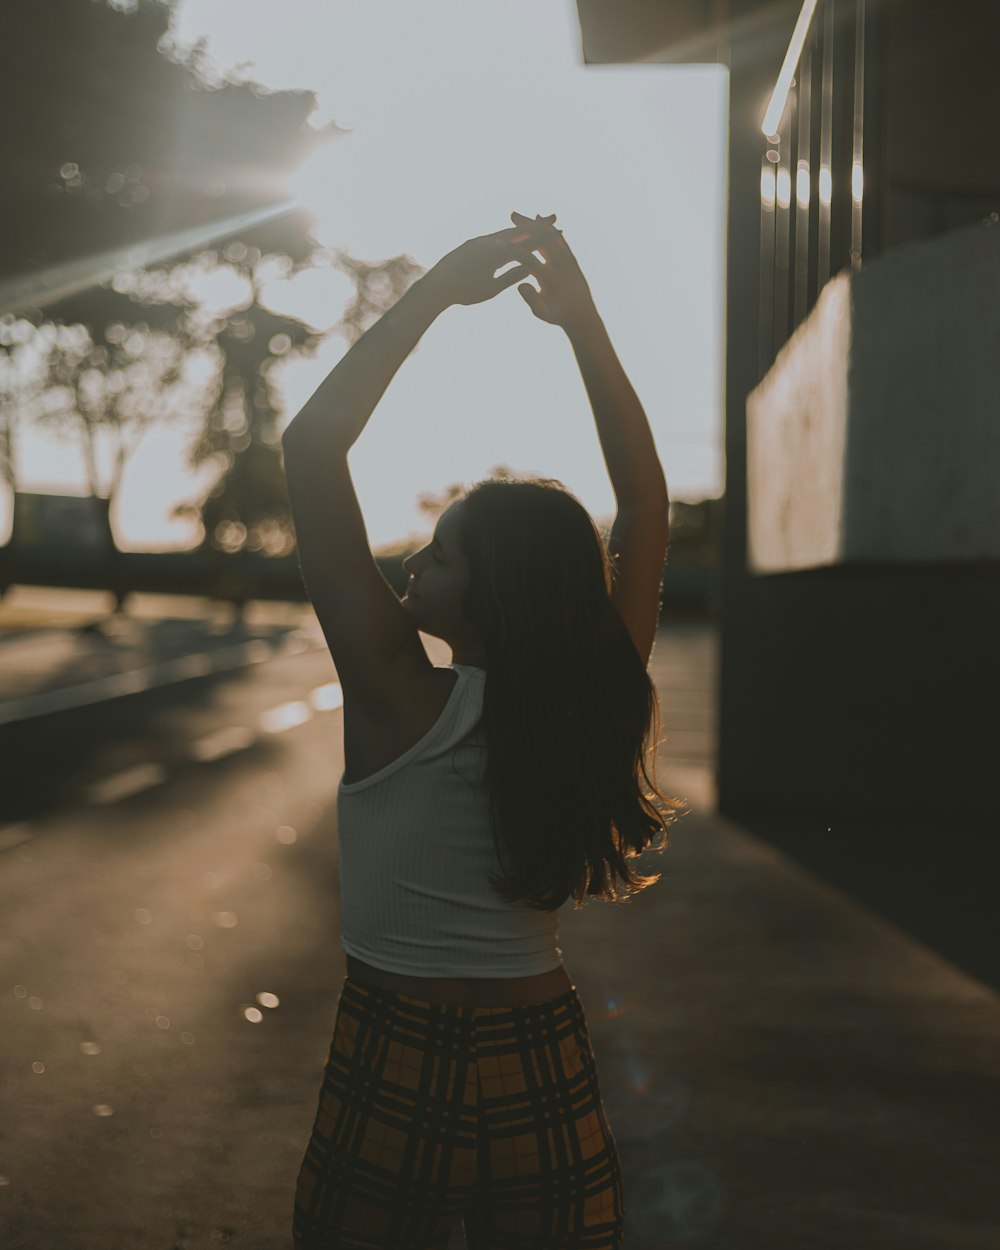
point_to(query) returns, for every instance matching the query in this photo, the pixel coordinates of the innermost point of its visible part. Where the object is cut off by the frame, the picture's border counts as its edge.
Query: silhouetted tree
(125, 137)
(247, 506)
(122, 136)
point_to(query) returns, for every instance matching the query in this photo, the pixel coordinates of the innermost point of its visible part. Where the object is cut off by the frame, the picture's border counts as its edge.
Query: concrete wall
(858, 691)
(797, 422)
(857, 697)
(940, 165)
(865, 694)
(876, 433)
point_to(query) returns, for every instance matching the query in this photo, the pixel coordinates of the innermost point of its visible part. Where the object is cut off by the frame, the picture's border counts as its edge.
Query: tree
(156, 141)
(248, 505)
(23, 380)
(153, 142)
(123, 136)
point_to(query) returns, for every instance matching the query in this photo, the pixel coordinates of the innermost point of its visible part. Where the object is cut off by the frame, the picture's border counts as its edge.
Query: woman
(477, 797)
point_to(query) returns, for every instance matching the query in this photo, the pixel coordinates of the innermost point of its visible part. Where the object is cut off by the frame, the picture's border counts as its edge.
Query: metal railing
(815, 209)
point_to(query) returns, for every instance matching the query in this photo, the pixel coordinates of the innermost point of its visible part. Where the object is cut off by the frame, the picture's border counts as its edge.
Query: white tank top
(416, 853)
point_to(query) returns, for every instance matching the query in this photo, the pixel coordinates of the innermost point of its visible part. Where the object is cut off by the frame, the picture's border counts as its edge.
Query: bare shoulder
(376, 733)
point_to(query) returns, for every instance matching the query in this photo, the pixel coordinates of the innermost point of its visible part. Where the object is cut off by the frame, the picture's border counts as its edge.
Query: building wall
(875, 434)
(861, 692)
(857, 701)
(941, 159)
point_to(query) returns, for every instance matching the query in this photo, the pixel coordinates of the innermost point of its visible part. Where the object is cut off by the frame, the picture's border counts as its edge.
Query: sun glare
(451, 117)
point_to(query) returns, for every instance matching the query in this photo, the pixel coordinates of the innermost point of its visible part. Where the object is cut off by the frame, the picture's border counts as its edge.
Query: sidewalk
(62, 649)
(782, 1068)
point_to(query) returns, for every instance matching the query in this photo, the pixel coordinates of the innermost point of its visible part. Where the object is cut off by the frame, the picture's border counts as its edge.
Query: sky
(459, 111)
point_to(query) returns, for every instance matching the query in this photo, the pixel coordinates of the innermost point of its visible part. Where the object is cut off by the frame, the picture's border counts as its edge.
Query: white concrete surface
(876, 433)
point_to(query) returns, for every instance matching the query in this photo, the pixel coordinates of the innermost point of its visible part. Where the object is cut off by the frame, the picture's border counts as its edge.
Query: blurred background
(789, 215)
(292, 188)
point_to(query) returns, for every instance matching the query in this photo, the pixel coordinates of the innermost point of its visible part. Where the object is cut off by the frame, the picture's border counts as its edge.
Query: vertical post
(874, 207)
(782, 233)
(858, 140)
(765, 315)
(844, 55)
(803, 184)
(825, 179)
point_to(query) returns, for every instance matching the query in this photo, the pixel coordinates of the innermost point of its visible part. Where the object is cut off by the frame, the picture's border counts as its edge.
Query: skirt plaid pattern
(432, 1113)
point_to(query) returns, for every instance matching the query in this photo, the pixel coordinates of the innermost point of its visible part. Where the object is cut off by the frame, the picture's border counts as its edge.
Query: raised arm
(333, 418)
(564, 299)
(639, 537)
(372, 638)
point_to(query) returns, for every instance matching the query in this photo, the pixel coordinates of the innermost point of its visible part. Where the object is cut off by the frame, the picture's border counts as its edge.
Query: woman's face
(439, 575)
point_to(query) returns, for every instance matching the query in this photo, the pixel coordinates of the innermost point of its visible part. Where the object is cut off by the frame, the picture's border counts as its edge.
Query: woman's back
(416, 856)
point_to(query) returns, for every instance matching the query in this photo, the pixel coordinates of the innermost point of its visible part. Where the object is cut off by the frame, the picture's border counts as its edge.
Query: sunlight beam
(38, 290)
(779, 97)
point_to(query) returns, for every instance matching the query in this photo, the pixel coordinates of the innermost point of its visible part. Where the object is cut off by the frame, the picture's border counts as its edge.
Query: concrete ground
(783, 1070)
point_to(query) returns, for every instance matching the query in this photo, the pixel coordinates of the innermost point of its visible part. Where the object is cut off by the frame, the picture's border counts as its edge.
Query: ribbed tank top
(416, 853)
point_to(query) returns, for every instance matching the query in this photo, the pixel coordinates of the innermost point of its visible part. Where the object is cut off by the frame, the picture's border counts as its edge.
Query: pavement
(782, 1068)
(65, 649)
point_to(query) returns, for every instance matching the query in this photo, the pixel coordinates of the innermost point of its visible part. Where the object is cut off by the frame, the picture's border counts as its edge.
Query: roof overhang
(682, 31)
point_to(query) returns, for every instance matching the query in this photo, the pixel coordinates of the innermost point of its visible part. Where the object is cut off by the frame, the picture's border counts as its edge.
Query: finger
(539, 225)
(509, 277)
(554, 248)
(543, 246)
(527, 256)
(502, 237)
(548, 229)
(530, 296)
(515, 216)
(546, 238)
(529, 262)
(534, 301)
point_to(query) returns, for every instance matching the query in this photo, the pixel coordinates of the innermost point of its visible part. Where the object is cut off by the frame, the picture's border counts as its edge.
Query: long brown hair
(571, 717)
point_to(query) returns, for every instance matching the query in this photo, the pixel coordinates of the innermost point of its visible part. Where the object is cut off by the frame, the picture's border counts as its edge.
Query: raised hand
(564, 297)
(466, 274)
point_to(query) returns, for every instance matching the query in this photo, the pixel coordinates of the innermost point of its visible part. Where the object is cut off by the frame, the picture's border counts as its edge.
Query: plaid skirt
(431, 1113)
